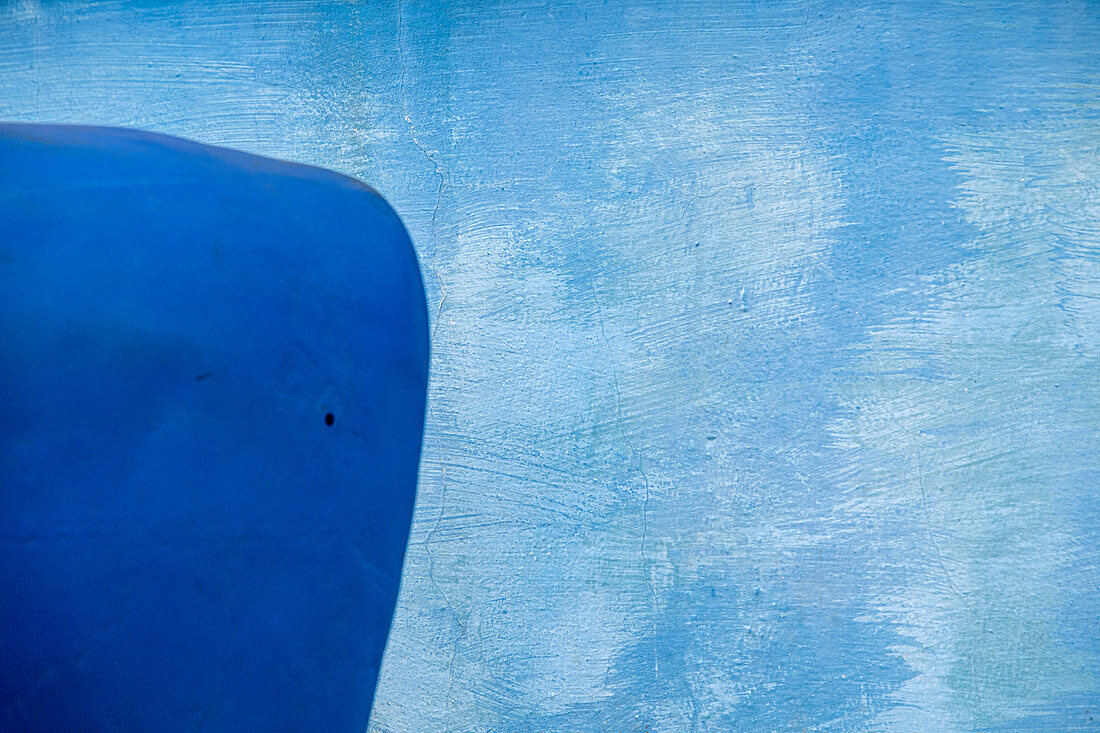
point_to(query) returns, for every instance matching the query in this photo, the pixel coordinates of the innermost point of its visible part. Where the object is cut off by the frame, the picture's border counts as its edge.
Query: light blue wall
(766, 370)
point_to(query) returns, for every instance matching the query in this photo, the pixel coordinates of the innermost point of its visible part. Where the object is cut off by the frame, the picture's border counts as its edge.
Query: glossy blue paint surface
(764, 389)
(187, 540)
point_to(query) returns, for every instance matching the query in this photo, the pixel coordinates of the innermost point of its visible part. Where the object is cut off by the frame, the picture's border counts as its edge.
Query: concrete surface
(764, 389)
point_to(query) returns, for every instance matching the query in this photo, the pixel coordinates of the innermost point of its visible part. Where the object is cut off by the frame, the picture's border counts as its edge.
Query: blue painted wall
(214, 369)
(765, 389)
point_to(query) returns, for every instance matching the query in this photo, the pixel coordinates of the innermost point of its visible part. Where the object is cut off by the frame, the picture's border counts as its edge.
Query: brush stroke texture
(765, 390)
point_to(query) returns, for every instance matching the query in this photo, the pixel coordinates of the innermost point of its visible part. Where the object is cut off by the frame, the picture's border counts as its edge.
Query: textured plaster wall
(766, 337)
